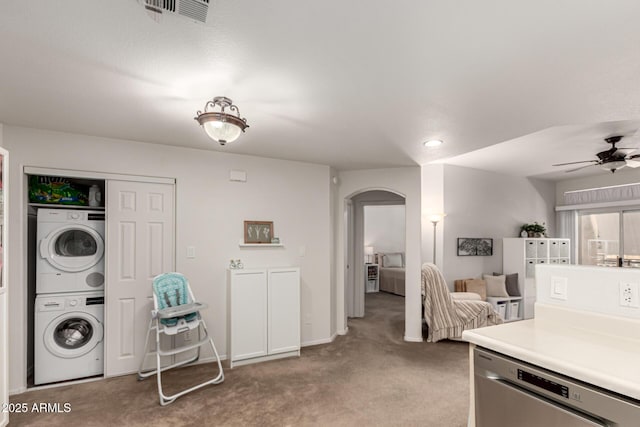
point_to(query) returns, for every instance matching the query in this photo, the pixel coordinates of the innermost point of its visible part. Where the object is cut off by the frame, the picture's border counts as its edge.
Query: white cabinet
(520, 255)
(264, 314)
(371, 278)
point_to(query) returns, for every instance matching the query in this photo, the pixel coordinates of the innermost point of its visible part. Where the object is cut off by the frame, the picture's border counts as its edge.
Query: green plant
(534, 228)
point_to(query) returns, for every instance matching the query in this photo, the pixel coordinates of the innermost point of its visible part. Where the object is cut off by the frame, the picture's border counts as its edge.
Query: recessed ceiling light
(433, 143)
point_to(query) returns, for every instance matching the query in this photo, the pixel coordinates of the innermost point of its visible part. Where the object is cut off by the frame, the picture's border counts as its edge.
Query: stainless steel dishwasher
(512, 393)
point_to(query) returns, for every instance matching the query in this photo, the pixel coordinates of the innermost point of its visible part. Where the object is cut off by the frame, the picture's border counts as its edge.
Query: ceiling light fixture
(220, 126)
(614, 165)
(433, 143)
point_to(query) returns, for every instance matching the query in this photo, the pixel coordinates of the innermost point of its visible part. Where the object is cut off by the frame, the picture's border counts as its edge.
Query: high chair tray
(180, 310)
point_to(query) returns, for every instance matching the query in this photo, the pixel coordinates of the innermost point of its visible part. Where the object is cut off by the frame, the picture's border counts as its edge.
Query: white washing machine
(68, 336)
(70, 251)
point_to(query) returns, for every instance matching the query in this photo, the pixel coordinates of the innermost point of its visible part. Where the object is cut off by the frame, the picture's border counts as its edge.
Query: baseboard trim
(21, 390)
(18, 390)
(343, 332)
(413, 339)
(320, 341)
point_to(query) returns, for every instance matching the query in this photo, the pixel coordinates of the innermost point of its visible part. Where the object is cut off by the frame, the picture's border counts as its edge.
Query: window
(608, 238)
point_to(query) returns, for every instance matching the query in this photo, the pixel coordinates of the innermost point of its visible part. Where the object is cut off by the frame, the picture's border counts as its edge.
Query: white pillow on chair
(496, 286)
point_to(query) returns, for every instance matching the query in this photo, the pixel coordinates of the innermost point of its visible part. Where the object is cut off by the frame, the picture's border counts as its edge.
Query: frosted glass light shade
(221, 126)
(222, 132)
(614, 165)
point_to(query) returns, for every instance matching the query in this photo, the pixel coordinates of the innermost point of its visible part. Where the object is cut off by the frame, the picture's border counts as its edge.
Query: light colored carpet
(368, 377)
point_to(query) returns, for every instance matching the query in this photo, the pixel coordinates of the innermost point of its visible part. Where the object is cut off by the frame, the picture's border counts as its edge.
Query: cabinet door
(542, 251)
(248, 314)
(530, 249)
(554, 249)
(284, 310)
(530, 270)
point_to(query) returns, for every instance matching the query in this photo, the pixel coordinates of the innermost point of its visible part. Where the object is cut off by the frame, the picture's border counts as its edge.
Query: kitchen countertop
(597, 349)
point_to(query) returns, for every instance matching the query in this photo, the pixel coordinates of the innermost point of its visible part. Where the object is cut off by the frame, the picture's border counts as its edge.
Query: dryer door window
(72, 248)
(73, 334)
(75, 243)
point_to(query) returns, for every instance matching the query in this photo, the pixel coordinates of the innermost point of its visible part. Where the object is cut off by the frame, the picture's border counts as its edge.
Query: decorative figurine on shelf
(236, 264)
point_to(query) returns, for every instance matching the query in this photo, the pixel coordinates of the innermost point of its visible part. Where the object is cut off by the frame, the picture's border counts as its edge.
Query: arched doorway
(372, 221)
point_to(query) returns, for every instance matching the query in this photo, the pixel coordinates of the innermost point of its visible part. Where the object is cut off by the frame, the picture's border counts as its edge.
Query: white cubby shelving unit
(520, 255)
(509, 308)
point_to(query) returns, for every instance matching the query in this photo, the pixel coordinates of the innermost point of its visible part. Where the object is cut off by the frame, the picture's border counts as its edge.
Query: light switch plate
(191, 252)
(559, 287)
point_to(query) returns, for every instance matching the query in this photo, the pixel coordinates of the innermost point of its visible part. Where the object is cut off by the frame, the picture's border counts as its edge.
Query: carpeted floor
(368, 377)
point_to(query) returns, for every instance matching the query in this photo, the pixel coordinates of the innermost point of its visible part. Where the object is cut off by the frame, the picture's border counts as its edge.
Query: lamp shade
(222, 131)
(436, 217)
(614, 165)
(368, 250)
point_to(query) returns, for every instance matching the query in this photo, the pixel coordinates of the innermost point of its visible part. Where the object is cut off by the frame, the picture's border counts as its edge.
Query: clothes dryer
(70, 251)
(69, 335)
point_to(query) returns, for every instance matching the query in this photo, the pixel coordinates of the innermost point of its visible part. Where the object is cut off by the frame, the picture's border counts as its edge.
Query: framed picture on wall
(258, 231)
(471, 246)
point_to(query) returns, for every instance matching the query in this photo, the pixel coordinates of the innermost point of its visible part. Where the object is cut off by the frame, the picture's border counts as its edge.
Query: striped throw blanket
(446, 317)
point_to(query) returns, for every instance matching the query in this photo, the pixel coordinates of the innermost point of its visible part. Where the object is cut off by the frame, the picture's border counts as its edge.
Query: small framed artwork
(258, 231)
(471, 246)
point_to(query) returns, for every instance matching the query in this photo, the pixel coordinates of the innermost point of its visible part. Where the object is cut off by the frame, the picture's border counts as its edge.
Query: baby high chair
(175, 311)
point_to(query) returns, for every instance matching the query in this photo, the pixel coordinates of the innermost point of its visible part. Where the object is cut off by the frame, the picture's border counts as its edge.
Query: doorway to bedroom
(377, 252)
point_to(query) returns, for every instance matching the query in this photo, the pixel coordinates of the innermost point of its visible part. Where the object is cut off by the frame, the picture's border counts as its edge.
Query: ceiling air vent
(192, 9)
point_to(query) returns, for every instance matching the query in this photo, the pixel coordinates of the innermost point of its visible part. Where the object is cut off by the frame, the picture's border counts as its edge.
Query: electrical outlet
(629, 294)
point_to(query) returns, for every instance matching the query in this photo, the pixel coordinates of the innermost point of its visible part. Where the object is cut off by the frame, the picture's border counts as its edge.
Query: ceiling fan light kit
(220, 126)
(612, 159)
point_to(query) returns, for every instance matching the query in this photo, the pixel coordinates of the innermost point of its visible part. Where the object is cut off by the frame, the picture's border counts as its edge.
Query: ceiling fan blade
(581, 167)
(632, 157)
(575, 163)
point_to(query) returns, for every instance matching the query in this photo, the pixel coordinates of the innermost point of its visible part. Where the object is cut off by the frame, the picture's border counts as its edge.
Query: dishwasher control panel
(538, 381)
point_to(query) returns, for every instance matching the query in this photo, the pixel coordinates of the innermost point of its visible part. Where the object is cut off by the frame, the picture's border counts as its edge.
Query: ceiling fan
(612, 159)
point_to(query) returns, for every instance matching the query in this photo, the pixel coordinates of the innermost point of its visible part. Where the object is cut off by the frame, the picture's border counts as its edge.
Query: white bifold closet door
(140, 245)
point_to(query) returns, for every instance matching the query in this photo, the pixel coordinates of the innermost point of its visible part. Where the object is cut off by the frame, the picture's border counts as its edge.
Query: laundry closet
(95, 242)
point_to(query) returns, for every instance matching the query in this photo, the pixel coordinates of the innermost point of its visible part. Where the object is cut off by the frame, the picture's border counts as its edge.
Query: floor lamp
(435, 219)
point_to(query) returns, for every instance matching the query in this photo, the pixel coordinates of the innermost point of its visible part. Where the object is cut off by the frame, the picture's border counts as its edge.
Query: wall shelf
(260, 245)
(58, 206)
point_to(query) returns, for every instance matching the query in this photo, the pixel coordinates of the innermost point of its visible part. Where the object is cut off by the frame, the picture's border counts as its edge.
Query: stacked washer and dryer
(69, 303)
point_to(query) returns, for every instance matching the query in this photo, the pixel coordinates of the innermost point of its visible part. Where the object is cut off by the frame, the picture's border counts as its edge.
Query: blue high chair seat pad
(172, 290)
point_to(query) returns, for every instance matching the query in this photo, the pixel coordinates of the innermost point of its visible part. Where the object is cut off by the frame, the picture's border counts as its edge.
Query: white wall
(384, 228)
(432, 204)
(210, 215)
(405, 181)
(589, 288)
(486, 204)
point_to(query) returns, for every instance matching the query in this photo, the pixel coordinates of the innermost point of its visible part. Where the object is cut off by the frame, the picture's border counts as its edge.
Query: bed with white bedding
(392, 272)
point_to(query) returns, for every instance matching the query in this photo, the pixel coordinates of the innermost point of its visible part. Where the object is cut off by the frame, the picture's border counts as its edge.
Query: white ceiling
(353, 84)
